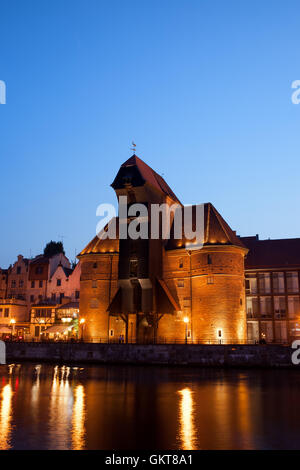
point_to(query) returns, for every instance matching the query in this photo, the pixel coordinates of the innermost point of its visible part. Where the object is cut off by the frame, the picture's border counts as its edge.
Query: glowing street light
(186, 320)
(82, 322)
(12, 322)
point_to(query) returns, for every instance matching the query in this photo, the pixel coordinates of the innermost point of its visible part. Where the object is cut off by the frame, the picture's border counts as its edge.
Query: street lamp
(186, 320)
(82, 322)
(12, 322)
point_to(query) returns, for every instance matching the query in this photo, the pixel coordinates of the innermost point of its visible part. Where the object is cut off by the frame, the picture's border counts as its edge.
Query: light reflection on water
(111, 407)
(186, 424)
(5, 417)
(78, 419)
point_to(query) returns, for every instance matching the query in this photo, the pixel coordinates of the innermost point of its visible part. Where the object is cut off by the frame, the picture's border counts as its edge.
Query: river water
(126, 407)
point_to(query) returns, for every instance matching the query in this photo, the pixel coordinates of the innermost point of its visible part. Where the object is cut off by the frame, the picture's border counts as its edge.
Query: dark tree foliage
(53, 248)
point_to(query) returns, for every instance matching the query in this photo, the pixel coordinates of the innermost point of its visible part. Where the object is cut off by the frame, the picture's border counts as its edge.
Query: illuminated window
(251, 284)
(295, 328)
(210, 280)
(278, 283)
(293, 307)
(292, 281)
(252, 307)
(264, 282)
(266, 306)
(279, 307)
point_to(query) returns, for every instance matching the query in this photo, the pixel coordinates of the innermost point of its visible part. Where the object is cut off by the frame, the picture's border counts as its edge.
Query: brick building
(3, 283)
(272, 270)
(38, 283)
(162, 290)
(17, 279)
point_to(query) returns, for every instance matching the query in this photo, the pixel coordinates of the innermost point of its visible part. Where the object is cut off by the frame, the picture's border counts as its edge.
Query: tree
(53, 248)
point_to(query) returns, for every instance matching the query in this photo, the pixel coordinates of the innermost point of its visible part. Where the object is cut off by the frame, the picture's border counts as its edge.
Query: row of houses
(39, 298)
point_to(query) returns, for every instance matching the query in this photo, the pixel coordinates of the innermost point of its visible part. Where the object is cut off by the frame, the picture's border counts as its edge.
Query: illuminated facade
(31, 283)
(13, 318)
(160, 290)
(3, 283)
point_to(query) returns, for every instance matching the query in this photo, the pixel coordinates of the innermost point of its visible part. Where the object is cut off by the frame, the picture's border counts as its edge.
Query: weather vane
(133, 147)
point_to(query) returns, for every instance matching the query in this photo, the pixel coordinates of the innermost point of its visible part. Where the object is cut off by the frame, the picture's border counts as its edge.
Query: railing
(159, 341)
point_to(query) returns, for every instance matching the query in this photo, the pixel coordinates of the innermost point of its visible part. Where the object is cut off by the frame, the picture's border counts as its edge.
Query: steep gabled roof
(216, 230)
(67, 271)
(150, 176)
(101, 245)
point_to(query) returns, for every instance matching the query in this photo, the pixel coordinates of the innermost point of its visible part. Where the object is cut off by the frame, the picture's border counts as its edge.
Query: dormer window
(127, 180)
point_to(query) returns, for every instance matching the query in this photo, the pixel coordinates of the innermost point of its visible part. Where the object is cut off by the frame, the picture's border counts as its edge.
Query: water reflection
(105, 407)
(78, 429)
(187, 428)
(5, 417)
(60, 409)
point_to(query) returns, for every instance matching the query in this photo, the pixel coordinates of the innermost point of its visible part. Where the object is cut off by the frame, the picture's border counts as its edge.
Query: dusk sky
(202, 87)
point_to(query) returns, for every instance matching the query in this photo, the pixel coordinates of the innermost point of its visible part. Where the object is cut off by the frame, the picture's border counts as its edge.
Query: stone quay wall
(244, 356)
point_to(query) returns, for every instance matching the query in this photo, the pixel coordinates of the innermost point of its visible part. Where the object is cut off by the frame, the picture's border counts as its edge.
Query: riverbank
(275, 356)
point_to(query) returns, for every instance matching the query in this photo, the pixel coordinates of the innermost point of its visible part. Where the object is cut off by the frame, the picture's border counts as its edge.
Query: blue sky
(203, 88)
